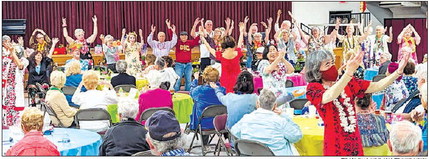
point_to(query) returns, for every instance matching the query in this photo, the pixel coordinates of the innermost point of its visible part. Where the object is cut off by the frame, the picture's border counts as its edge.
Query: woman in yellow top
(132, 51)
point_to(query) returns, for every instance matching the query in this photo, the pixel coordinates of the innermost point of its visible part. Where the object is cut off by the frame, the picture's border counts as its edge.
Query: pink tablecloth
(297, 79)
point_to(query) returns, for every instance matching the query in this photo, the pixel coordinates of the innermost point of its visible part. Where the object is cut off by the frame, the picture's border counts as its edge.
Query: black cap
(183, 33)
(161, 123)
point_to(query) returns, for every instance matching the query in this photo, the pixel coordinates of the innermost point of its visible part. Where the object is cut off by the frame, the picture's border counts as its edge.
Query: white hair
(165, 146)
(77, 31)
(286, 22)
(422, 72)
(424, 92)
(267, 99)
(5, 37)
(108, 37)
(405, 137)
(128, 108)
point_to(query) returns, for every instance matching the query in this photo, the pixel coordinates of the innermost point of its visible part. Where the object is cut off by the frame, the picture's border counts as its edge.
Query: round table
(311, 143)
(82, 142)
(182, 106)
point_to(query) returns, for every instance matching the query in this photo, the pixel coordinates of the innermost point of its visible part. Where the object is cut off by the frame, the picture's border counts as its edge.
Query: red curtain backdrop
(113, 16)
(398, 24)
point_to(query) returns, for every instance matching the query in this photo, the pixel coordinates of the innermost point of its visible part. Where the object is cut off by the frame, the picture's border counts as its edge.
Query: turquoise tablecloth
(301, 88)
(370, 73)
(82, 142)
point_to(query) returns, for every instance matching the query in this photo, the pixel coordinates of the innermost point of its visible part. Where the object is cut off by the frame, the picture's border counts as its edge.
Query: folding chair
(252, 148)
(148, 112)
(210, 111)
(298, 104)
(68, 90)
(378, 77)
(219, 123)
(289, 83)
(48, 109)
(125, 87)
(92, 114)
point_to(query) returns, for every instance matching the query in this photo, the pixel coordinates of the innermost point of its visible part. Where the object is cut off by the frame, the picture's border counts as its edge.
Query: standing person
(334, 98)
(204, 52)
(80, 39)
(43, 42)
(183, 65)
(161, 47)
(20, 72)
(10, 63)
(110, 52)
(287, 42)
(230, 58)
(132, 51)
(405, 39)
(378, 42)
(350, 41)
(255, 41)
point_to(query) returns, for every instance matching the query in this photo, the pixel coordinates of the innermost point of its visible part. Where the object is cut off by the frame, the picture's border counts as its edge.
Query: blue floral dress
(410, 82)
(394, 93)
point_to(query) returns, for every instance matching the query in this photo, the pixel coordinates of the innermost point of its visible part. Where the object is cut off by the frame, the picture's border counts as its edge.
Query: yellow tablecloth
(140, 83)
(182, 106)
(311, 143)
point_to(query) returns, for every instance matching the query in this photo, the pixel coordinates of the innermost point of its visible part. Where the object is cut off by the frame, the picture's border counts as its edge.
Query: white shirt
(94, 99)
(204, 52)
(156, 77)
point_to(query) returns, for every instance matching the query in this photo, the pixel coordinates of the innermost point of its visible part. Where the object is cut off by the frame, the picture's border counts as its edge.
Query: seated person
(384, 62)
(73, 78)
(372, 127)
(33, 143)
(405, 139)
(122, 78)
(93, 98)
(242, 102)
(150, 62)
(273, 128)
(154, 97)
(409, 80)
(75, 48)
(204, 96)
(127, 137)
(57, 101)
(161, 74)
(396, 91)
(165, 137)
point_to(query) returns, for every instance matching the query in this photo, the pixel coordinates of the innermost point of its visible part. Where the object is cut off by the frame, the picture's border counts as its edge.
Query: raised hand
(270, 20)
(354, 62)
(200, 30)
(55, 41)
(279, 12)
(21, 40)
(202, 21)
(197, 20)
(338, 20)
(64, 22)
(246, 19)
(124, 31)
(291, 15)
(153, 28)
(264, 24)
(228, 21)
(141, 32)
(391, 30)
(167, 21)
(242, 26)
(94, 19)
(385, 29)
(282, 53)
(101, 36)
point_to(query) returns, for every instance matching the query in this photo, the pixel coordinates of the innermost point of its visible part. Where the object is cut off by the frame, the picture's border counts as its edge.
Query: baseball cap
(161, 123)
(260, 50)
(183, 33)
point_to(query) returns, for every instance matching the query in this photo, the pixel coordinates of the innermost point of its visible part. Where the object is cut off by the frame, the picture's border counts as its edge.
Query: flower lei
(347, 127)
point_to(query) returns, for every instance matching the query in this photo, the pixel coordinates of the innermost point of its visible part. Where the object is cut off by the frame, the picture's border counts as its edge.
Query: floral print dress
(132, 57)
(10, 114)
(338, 142)
(276, 80)
(394, 93)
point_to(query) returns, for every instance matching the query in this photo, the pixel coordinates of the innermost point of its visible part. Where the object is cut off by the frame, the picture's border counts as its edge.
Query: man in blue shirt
(269, 126)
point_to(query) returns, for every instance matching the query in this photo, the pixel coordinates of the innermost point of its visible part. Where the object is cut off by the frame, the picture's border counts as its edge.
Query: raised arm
(268, 30)
(141, 39)
(194, 27)
(289, 67)
(277, 25)
(417, 38)
(54, 42)
(249, 34)
(366, 34)
(228, 25)
(231, 28)
(304, 36)
(333, 92)
(150, 37)
(383, 83)
(334, 32)
(242, 28)
(92, 38)
(123, 39)
(65, 33)
(31, 41)
(270, 68)
(402, 34)
(203, 39)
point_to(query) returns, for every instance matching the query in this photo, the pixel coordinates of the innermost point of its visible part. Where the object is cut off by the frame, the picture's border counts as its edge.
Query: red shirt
(230, 70)
(337, 142)
(183, 49)
(33, 144)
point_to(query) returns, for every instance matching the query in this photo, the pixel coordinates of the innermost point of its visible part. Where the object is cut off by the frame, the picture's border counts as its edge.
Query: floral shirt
(410, 82)
(394, 93)
(275, 81)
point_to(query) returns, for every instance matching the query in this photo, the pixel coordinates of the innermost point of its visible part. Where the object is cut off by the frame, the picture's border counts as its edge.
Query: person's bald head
(161, 36)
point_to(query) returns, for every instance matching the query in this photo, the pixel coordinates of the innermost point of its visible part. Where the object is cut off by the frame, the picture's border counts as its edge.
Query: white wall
(318, 12)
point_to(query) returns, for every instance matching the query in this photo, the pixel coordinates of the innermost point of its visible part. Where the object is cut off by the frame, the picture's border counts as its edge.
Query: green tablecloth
(182, 106)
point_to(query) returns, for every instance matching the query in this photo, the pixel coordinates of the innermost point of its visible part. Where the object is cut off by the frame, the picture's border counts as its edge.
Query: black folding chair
(289, 83)
(210, 111)
(252, 148)
(148, 112)
(125, 87)
(48, 109)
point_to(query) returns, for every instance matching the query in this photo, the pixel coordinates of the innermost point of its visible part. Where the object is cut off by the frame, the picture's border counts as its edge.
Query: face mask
(331, 74)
